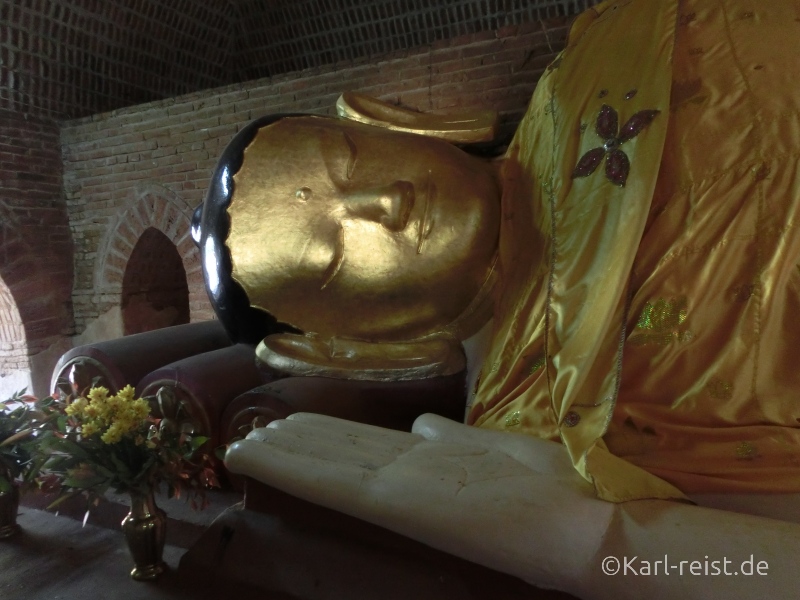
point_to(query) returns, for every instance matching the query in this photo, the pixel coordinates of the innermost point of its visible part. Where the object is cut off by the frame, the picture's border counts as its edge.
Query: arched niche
(155, 292)
(159, 208)
(15, 367)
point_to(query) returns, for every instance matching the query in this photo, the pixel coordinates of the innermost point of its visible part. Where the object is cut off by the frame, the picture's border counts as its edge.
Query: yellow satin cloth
(655, 328)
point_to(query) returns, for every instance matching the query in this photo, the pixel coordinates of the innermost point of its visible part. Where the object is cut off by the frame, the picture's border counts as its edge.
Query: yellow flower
(76, 408)
(141, 408)
(126, 394)
(100, 405)
(89, 429)
(121, 425)
(113, 434)
(98, 394)
(114, 404)
(119, 415)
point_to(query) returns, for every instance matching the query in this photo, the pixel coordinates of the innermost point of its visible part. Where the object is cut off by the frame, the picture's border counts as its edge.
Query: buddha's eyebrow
(351, 161)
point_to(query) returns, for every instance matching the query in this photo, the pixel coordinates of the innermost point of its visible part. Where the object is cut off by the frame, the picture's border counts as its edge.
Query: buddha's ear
(340, 358)
(468, 127)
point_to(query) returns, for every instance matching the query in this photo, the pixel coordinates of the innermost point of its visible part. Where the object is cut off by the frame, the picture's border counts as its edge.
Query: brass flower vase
(145, 530)
(9, 504)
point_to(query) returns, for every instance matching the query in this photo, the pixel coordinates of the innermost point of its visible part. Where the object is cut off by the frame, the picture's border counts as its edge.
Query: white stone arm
(513, 503)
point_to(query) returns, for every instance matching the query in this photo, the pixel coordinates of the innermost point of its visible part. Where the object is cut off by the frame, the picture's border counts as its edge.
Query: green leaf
(34, 467)
(122, 469)
(66, 446)
(83, 481)
(59, 463)
(198, 441)
(20, 435)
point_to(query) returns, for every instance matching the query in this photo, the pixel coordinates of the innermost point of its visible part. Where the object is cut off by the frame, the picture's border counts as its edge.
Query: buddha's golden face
(345, 229)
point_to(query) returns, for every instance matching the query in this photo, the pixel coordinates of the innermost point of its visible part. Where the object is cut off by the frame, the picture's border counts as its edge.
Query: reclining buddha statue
(625, 280)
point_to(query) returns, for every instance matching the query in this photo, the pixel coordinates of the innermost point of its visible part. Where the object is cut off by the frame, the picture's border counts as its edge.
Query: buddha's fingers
(343, 426)
(327, 482)
(338, 446)
(343, 440)
(541, 456)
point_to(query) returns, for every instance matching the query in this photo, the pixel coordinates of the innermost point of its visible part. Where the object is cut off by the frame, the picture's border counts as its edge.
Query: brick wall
(279, 37)
(35, 242)
(149, 165)
(71, 58)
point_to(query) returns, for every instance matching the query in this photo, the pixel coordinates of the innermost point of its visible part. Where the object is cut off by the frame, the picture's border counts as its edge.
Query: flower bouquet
(21, 418)
(104, 441)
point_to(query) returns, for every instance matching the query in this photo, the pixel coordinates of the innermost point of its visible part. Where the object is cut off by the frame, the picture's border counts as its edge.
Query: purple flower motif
(617, 163)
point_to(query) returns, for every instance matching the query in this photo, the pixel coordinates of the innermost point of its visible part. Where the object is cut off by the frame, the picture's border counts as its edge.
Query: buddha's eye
(303, 194)
(341, 158)
(353, 156)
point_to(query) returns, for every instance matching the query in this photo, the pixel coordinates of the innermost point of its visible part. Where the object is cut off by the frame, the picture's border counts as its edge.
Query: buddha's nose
(390, 205)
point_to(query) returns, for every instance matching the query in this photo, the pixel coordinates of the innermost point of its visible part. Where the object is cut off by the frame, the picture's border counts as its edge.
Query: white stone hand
(507, 501)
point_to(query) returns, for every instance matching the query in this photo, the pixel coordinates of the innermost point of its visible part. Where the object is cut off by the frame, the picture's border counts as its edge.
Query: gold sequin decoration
(512, 419)
(660, 322)
(495, 367)
(719, 389)
(746, 451)
(537, 364)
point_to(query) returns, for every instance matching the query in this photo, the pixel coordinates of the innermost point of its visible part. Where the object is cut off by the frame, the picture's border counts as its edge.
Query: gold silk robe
(654, 328)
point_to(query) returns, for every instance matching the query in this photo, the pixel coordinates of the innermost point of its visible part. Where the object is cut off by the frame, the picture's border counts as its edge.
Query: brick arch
(13, 340)
(40, 296)
(36, 279)
(157, 207)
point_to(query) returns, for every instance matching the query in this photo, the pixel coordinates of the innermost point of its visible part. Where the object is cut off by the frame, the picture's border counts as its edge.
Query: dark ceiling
(71, 58)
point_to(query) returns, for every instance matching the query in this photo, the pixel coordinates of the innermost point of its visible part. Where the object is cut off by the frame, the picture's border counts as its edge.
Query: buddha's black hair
(210, 227)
